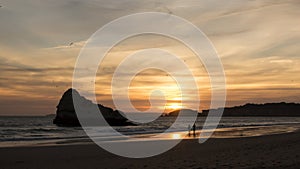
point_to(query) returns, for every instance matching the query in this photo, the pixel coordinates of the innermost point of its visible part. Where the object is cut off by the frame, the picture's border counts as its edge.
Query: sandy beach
(273, 151)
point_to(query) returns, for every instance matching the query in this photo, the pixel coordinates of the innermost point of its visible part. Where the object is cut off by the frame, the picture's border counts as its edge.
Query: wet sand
(274, 151)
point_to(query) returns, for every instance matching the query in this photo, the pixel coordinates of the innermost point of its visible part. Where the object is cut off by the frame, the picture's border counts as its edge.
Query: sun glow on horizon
(174, 106)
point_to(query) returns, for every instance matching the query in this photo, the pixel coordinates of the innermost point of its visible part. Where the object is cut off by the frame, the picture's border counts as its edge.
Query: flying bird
(71, 44)
(169, 11)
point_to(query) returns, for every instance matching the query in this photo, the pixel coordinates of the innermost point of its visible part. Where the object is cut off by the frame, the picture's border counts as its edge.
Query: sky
(257, 41)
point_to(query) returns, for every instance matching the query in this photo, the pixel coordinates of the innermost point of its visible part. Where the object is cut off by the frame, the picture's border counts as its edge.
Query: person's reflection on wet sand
(189, 129)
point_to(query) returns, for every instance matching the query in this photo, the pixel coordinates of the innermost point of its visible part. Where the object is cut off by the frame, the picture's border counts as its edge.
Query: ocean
(39, 130)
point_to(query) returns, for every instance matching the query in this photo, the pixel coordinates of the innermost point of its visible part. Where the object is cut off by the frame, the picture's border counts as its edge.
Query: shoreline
(227, 132)
(219, 133)
(272, 151)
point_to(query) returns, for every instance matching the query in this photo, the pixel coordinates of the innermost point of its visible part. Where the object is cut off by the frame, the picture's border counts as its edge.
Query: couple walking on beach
(192, 128)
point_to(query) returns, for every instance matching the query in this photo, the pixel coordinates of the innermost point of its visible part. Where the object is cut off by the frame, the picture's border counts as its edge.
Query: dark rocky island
(66, 116)
(267, 109)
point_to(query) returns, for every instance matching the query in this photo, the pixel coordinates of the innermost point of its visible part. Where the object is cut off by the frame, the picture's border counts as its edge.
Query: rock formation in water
(66, 115)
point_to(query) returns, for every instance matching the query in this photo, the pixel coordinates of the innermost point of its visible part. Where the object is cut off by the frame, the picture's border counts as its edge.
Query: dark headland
(268, 109)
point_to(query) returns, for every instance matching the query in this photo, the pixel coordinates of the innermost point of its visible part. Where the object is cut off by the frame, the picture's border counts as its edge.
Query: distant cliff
(268, 109)
(184, 112)
(66, 116)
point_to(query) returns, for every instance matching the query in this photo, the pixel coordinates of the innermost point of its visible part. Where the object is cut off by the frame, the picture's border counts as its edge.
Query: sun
(174, 106)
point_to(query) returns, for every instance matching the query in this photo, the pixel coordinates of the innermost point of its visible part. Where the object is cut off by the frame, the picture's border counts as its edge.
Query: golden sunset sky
(257, 41)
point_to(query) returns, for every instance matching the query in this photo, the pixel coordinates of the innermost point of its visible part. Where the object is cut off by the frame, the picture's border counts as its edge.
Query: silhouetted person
(194, 130)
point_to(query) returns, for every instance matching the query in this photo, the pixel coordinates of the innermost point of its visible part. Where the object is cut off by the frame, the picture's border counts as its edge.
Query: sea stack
(66, 115)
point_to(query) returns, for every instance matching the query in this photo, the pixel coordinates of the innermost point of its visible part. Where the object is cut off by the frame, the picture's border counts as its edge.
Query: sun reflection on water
(176, 136)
